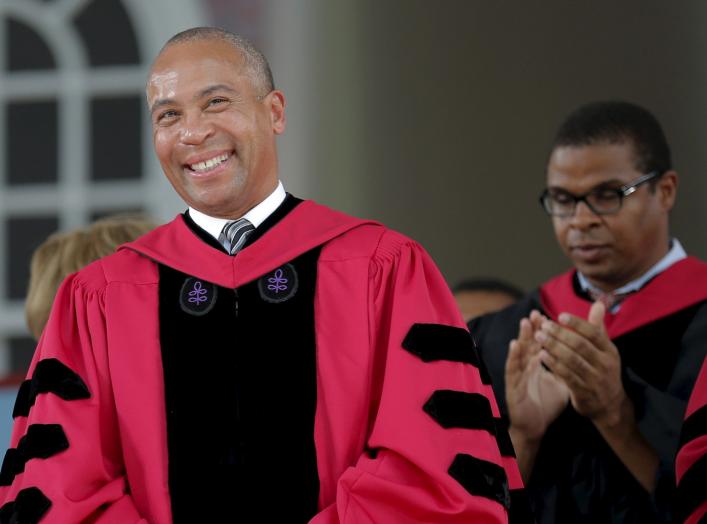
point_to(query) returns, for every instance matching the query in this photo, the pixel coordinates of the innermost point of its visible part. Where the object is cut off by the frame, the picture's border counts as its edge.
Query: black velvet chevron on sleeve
(481, 478)
(432, 342)
(50, 376)
(12, 464)
(691, 490)
(29, 507)
(41, 441)
(694, 426)
(458, 409)
(505, 444)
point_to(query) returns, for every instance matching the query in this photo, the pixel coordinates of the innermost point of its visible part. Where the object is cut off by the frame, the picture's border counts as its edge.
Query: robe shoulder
(124, 266)
(371, 240)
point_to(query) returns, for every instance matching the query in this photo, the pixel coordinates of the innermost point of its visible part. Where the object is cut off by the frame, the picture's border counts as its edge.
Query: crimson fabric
(372, 286)
(690, 464)
(660, 333)
(680, 286)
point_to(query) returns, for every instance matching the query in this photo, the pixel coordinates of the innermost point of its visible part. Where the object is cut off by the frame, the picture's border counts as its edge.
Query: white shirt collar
(675, 254)
(255, 216)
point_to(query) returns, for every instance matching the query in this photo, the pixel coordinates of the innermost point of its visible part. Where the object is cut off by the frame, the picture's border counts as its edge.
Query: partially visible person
(595, 367)
(64, 253)
(691, 461)
(478, 296)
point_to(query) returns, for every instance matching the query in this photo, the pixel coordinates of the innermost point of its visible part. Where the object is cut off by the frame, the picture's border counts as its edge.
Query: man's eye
(604, 195)
(562, 198)
(167, 116)
(217, 101)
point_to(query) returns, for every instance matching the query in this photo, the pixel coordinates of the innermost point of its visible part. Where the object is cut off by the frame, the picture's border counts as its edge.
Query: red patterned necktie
(610, 299)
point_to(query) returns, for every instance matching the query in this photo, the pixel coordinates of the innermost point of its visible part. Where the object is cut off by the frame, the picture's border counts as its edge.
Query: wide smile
(207, 165)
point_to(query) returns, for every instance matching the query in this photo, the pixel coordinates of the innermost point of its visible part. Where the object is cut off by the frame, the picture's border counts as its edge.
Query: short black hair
(255, 60)
(493, 285)
(618, 122)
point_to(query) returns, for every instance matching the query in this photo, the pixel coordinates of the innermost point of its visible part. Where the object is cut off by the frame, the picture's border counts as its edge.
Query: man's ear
(667, 188)
(277, 111)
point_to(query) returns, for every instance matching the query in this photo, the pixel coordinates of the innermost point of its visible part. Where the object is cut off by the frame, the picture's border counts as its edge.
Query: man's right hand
(535, 397)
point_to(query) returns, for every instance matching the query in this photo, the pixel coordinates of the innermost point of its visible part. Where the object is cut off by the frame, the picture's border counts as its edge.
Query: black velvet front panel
(240, 383)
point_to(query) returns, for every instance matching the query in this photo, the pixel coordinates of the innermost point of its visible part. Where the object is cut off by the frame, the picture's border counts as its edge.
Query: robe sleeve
(435, 450)
(660, 410)
(691, 461)
(64, 463)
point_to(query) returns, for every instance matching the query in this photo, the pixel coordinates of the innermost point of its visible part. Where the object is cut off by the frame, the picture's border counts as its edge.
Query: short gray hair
(255, 61)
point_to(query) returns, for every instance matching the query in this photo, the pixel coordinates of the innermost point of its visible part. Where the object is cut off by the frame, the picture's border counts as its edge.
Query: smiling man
(595, 367)
(259, 358)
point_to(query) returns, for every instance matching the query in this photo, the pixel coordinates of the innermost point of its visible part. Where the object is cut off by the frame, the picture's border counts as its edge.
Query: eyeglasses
(601, 200)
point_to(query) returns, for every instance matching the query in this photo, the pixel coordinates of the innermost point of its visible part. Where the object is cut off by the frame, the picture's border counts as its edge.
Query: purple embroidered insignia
(198, 294)
(278, 282)
(197, 297)
(279, 285)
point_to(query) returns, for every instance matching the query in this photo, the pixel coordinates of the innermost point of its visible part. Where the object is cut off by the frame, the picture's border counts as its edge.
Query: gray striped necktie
(234, 235)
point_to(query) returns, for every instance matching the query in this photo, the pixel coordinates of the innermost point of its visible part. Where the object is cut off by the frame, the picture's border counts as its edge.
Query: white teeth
(209, 164)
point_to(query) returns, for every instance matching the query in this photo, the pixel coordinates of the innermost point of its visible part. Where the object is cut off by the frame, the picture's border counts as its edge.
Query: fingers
(521, 349)
(567, 364)
(525, 331)
(513, 361)
(516, 363)
(536, 319)
(517, 359)
(566, 344)
(528, 326)
(591, 329)
(596, 314)
(574, 384)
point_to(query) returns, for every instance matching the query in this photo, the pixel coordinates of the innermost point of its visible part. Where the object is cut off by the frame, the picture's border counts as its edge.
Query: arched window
(74, 133)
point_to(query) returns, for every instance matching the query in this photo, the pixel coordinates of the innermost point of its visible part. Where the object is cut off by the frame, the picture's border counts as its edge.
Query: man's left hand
(581, 353)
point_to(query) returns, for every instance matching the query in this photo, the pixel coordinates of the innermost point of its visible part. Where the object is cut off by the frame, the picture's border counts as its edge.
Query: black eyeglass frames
(601, 200)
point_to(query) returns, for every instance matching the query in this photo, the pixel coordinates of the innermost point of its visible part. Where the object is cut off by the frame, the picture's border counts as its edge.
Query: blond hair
(64, 253)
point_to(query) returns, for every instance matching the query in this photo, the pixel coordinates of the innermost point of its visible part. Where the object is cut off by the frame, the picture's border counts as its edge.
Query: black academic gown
(661, 335)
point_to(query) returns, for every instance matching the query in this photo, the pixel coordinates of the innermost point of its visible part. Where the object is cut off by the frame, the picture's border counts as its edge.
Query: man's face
(213, 129)
(611, 250)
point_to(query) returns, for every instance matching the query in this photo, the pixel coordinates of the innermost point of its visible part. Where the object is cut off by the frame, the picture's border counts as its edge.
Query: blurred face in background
(475, 303)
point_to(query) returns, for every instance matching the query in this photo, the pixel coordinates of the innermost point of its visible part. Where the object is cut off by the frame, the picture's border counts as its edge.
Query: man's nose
(195, 130)
(584, 216)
